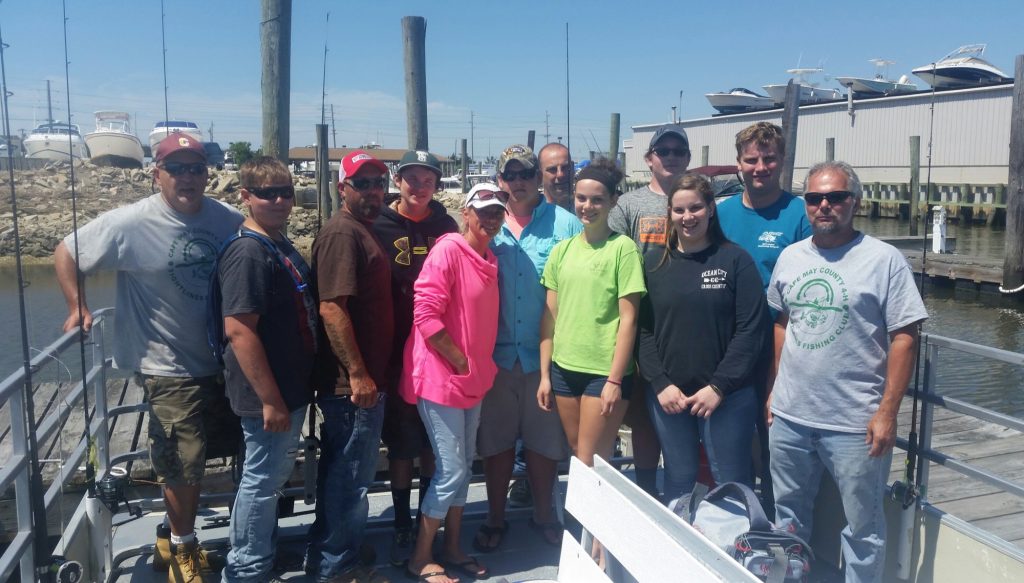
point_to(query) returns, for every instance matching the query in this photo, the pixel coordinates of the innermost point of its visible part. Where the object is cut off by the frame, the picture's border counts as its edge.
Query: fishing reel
(904, 494)
(111, 488)
(62, 570)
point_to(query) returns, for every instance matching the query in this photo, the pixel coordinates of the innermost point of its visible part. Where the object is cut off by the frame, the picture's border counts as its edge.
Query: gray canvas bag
(731, 517)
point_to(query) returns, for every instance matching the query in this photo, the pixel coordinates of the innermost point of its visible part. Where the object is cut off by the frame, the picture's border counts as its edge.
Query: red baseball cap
(354, 162)
(177, 142)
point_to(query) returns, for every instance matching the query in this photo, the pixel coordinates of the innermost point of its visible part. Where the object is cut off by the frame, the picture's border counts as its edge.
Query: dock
(961, 270)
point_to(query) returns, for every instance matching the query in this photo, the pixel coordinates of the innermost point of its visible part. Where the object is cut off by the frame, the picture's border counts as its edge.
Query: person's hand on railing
(75, 319)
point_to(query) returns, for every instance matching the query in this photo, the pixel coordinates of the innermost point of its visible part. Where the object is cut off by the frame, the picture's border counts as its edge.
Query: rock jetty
(44, 199)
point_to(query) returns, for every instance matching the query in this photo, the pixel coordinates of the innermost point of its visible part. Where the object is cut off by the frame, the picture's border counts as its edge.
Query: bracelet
(716, 390)
(616, 383)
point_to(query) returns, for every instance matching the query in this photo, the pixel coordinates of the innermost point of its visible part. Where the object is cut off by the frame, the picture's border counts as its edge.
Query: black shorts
(403, 430)
(569, 383)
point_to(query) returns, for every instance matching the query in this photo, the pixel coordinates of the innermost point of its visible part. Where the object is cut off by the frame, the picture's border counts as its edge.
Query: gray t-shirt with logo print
(163, 260)
(842, 304)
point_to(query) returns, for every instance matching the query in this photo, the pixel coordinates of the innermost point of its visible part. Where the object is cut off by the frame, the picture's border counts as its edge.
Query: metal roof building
(970, 141)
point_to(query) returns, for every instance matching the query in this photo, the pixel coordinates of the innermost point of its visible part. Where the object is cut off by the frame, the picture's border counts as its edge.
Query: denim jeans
(269, 459)
(727, 437)
(799, 455)
(349, 445)
(452, 434)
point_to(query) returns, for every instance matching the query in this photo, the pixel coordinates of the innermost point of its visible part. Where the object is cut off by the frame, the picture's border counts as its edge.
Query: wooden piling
(613, 137)
(790, 117)
(531, 138)
(1013, 261)
(275, 53)
(705, 155)
(414, 34)
(915, 185)
(830, 149)
(323, 173)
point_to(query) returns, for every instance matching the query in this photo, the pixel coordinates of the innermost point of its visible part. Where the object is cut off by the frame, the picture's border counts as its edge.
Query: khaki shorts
(510, 410)
(183, 414)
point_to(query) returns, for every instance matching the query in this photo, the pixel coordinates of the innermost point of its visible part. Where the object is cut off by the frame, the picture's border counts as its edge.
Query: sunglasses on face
(364, 184)
(834, 197)
(510, 175)
(272, 192)
(488, 195)
(180, 168)
(665, 151)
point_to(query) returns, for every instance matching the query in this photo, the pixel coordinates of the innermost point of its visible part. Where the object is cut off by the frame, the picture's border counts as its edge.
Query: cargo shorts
(185, 414)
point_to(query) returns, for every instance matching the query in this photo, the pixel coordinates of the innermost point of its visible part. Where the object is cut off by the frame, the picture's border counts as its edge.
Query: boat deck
(989, 446)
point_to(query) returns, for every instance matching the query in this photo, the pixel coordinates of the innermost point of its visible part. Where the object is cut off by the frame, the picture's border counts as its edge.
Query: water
(957, 315)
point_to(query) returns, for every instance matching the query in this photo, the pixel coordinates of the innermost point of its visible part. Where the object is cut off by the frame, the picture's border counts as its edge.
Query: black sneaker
(401, 546)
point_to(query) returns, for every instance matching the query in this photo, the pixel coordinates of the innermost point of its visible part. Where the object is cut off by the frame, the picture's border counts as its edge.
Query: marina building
(970, 133)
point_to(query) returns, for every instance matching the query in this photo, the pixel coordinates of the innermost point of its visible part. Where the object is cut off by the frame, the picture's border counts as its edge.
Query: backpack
(214, 314)
(731, 517)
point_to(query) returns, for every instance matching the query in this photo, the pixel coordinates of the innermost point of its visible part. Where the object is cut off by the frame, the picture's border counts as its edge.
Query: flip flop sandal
(471, 568)
(544, 528)
(489, 532)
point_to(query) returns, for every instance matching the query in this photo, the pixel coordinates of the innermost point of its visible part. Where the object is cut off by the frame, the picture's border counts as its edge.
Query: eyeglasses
(364, 184)
(665, 151)
(834, 197)
(180, 168)
(510, 175)
(485, 195)
(272, 192)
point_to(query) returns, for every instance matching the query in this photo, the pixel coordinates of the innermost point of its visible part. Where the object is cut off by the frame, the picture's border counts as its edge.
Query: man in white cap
(354, 287)
(163, 248)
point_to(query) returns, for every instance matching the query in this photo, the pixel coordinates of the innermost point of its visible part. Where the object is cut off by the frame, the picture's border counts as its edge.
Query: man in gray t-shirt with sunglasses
(845, 344)
(163, 248)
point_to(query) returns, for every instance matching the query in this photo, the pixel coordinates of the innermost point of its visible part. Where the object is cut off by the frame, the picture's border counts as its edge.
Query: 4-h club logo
(190, 262)
(819, 303)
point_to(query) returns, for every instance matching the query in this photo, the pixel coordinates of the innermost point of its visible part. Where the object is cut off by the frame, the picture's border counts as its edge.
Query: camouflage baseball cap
(519, 153)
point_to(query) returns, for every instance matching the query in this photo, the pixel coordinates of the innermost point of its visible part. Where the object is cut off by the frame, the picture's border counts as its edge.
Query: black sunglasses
(180, 168)
(834, 197)
(488, 195)
(665, 151)
(510, 175)
(272, 192)
(363, 184)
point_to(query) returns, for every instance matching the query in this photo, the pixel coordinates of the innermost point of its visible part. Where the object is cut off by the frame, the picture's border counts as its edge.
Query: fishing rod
(163, 46)
(568, 133)
(41, 558)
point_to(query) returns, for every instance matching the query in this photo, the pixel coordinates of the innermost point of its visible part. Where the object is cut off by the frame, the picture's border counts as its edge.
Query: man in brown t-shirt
(353, 279)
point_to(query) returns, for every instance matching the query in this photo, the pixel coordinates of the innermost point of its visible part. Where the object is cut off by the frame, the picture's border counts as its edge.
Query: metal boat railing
(15, 472)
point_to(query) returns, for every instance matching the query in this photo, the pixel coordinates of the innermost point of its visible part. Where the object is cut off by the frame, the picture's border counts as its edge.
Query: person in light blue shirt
(764, 220)
(510, 411)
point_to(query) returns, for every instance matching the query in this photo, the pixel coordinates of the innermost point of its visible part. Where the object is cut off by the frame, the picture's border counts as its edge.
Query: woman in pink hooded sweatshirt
(448, 369)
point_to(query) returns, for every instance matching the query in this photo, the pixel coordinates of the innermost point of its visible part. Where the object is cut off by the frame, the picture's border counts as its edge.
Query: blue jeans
(799, 455)
(452, 434)
(269, 459)
(349, 445)
(727, 437)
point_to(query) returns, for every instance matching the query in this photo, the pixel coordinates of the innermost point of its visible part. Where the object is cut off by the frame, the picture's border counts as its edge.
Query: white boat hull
(115, 149)
(737, 103)
(808, 94)
(860, 85)
(54, 147)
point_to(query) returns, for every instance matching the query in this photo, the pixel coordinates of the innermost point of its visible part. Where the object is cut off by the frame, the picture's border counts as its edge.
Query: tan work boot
(162, 549)
(190, 565)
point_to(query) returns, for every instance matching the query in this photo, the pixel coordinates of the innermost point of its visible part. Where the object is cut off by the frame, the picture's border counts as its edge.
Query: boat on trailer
(109, 532)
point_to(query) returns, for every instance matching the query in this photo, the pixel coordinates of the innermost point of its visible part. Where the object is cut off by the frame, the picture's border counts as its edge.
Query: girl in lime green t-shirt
(594, 282)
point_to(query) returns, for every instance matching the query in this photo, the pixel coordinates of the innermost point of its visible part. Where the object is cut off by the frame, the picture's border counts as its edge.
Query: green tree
(241, 152)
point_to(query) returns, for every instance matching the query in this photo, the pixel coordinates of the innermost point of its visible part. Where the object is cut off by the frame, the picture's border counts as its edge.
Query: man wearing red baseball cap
(163, 248)
(353, 276)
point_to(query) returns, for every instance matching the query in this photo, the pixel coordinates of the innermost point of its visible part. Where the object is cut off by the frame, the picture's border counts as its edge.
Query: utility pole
(210, 131)
(414, 34)
(547, 128)
(275, 51)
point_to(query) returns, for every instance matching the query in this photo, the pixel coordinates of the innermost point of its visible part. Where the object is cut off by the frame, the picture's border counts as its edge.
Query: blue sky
(503, 61)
